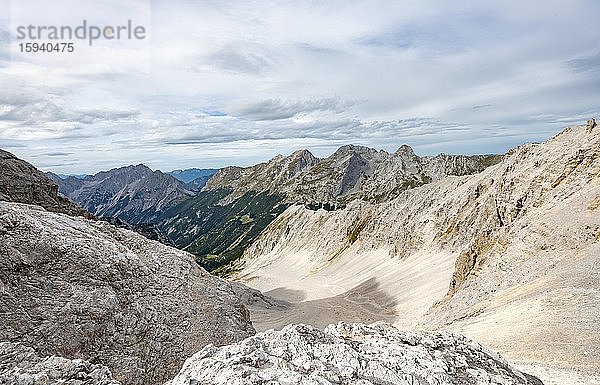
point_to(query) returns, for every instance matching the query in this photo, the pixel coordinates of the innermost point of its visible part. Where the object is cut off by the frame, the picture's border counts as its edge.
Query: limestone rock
(267, 176)
(23, 183)
(509, 256)
(591, 124)
(350, 354)
(77, 288)
(20, 365)
(351, 172)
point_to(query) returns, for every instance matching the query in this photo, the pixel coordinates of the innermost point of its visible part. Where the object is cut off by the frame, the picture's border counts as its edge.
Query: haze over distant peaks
(135, 194)
(190, 174)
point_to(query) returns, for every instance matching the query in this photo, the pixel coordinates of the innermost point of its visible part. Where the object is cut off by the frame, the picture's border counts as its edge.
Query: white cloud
(236, 82)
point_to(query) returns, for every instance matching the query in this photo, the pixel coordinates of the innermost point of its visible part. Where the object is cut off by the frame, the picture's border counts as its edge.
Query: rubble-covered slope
(508, 256)
(84, 289)
(350, 354)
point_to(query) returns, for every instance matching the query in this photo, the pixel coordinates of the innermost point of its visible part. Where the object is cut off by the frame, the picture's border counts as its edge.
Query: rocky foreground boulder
(76, 288)
(20, 365)
(350, 354)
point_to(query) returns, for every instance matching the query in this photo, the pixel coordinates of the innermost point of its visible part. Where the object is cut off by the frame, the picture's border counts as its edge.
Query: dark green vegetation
(219, 233)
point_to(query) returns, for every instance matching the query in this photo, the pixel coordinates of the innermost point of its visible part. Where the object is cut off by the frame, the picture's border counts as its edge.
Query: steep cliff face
(350, 354)
(135, 194)
(268, 176)
(352, 172)
(84, 289)
(502, 255)
(21, 182)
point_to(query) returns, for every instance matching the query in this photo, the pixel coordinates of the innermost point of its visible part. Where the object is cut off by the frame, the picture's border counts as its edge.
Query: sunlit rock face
(350, 354)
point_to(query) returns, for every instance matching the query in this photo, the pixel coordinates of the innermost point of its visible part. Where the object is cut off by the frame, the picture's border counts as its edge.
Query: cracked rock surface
(85, 289)
(21, 182)
(20, 365)
(352, 354)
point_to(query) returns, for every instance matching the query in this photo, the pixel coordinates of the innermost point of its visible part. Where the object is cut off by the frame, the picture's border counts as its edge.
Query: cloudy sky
(232, 82)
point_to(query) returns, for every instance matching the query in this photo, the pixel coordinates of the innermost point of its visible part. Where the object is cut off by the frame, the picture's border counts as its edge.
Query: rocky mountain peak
(302, 152)
(591, 124)
(405, 151)
(350, 149)
(133, 193)
(131, 172)
(305, 155)
(299, 161)
(267, 176)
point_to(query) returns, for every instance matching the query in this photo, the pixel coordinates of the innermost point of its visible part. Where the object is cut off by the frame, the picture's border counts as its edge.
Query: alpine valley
(318, 265)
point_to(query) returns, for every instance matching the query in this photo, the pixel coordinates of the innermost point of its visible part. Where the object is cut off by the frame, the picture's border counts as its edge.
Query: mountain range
(235, 204)
(85, 302)
(135, 194)
(503, 249)
(352, 172)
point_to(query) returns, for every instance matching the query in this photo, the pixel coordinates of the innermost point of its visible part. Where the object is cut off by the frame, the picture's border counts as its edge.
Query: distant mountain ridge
(352, 172)
(194, 178)
(190, 174)
(135, 194)
(65, 176)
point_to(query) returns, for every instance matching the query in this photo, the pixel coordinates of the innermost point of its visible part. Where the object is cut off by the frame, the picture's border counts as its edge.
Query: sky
(217, 83)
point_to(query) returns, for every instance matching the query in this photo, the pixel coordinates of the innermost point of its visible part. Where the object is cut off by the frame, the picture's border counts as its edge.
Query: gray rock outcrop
(20, 365)
(350, 354)
(23, 183)
(84, 289)
(352, 172)
(591, 124)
